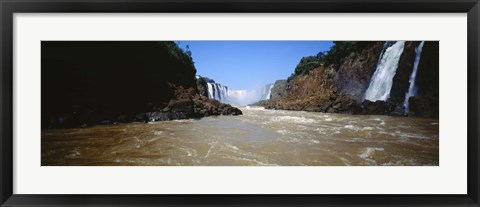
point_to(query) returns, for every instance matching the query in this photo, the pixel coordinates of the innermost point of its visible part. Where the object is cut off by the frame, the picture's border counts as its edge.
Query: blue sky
(250, 64)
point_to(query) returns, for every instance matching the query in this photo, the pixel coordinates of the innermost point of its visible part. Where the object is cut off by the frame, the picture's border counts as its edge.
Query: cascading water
(385, 46)
(235, 97)
(412, 89)
(217, 91)
(245, 97)
(269, 92)
(382, 79)
(210, 90)
(238, 97)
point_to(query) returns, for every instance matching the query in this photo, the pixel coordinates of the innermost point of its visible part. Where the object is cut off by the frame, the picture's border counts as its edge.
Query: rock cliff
(339, 82)
(91, 82)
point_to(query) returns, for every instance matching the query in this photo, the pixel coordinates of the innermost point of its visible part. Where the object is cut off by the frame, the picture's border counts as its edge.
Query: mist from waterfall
(382, 79)
(412, 89)
(245, 97)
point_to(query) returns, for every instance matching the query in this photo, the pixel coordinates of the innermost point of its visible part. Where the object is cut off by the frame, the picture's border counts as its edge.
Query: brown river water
(259, 137)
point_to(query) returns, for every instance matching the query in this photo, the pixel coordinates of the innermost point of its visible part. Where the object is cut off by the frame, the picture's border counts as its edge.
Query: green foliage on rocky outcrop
(305, 65)
(341, 50)
(331, 59)
(184, 56)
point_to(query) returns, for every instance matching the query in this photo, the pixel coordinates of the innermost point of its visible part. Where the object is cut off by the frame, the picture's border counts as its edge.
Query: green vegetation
(184, 56)
(331, 59)
(343, 49)
(306, 64)
(201, 81)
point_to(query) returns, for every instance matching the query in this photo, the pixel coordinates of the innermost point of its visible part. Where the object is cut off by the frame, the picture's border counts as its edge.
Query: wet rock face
(377, 107)
(279, 89)
(422, 106)
(353, 76)
(402, 75)
(202, 90)
(202, 85)
(428, 72)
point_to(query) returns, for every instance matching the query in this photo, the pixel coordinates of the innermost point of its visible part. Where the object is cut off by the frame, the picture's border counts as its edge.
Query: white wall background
(449, 177)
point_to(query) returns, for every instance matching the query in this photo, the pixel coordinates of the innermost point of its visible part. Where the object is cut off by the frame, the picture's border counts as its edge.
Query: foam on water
(293, 119)
(369, 152)
(282, 131)
(351, 127)
(260, 108)
(367, 128)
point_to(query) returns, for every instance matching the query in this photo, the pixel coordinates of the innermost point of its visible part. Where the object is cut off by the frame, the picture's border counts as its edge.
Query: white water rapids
(259, 137)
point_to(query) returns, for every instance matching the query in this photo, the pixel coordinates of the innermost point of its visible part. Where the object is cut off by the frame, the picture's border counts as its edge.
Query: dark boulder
(184, 105)
(206, 107)
(377, 108)
(343, 104)
(424, 106)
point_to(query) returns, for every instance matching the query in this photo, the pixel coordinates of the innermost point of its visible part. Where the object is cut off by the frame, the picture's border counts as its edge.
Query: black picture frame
(9, 7)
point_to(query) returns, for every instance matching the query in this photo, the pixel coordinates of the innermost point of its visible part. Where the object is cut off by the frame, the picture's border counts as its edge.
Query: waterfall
(217, 91)
(269, 92)
(223, 93)
(245, 97)
(237, 97)
(382, 79)
(412, 89)
(210, 90)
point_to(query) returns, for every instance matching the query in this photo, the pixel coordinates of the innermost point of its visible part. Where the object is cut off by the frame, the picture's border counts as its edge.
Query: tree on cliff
(343, 49)
(334, 57)
(176, 51)
(306, 64)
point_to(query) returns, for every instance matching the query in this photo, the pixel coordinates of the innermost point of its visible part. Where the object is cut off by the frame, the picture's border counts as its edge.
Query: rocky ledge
(189, 104)
(419, 107)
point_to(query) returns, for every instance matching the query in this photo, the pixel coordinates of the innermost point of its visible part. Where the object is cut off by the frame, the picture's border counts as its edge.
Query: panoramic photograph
(240, 103)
